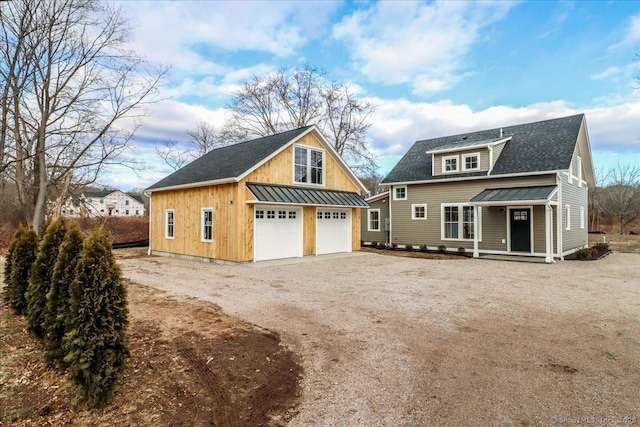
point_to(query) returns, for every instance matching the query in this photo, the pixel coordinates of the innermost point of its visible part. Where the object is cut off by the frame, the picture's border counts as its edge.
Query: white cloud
(632, 36)
(421, 44)
(187, 33)
(608, 73)
(397, 124)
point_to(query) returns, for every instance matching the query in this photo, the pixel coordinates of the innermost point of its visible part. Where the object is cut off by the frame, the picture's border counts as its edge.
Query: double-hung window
(458, 222)
(207, 225)
(374, 220)
(308, 165)
(169, 218)
(567, 217)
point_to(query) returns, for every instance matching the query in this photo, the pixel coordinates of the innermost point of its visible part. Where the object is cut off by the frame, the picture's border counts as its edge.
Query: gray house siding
(484, 159)
(494, 222)
(575, 197)
(375, 236)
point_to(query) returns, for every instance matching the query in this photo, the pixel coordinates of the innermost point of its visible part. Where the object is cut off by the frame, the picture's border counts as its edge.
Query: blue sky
(430, 68)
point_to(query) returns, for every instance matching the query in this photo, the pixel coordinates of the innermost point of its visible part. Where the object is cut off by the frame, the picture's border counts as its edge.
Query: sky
(430, 68)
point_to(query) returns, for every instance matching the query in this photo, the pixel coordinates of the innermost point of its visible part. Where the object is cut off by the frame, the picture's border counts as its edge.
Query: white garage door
(278, 233)
(333, 231)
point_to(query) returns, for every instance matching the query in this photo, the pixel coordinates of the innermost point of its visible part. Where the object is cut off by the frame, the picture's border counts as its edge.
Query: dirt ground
(388, 340)
(190, 365)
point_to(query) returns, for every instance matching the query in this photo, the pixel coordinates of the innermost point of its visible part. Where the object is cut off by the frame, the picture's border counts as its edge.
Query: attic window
(471, 161)
(450, 164)
(308, 165)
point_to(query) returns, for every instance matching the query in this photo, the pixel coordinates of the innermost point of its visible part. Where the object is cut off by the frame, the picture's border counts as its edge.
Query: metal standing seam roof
(538, 193)
(270, 193)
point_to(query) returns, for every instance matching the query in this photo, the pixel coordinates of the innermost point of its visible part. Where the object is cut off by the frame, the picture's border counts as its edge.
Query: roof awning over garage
(290, 195)
(515, 196)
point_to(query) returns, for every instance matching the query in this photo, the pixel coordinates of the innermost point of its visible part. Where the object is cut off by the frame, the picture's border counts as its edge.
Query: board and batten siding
(187, 205)
(484, 159)
(375, 236)
(494, 223)
(575, 197)
(279, 170)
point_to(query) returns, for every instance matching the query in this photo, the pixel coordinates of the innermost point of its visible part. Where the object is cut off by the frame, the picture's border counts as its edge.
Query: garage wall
(187, 205)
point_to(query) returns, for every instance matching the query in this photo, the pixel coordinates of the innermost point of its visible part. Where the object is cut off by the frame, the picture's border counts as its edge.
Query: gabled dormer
(466, 156)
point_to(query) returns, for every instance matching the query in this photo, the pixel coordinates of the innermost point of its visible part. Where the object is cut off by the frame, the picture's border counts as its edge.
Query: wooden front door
(520, 221)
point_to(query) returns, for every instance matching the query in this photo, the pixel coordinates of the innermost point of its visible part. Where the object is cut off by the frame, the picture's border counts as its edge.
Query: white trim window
(579, 171)
(567, 217)
(582, 218)
(419, 211)
(457, 222)
(308, 165)
(169, 223)
(206, 225)
(373, 220)
(400, 192)
(450, 164)
(471, 162)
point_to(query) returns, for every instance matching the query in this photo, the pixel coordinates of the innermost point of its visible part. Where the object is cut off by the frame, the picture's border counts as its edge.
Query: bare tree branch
(291, 99)
(68, 83)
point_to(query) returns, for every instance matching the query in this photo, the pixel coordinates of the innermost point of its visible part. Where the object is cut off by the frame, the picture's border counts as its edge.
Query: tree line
(617, 196)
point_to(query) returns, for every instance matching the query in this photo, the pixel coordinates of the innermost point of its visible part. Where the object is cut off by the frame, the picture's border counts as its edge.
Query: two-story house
(281, 196)
(519, 190)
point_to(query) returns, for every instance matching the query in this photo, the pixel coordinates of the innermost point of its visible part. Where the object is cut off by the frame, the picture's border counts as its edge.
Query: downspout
(148, 194)
(391, 192)
(476, 253)
(559, 216)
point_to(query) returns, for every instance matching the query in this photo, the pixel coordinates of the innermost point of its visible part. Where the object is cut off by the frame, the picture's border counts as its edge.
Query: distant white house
(105, 203)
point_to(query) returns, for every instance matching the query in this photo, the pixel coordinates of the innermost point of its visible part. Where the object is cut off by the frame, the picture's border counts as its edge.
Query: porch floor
(513, 258)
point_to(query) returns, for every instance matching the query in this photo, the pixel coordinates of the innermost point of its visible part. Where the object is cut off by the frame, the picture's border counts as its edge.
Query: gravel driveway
(399, 341)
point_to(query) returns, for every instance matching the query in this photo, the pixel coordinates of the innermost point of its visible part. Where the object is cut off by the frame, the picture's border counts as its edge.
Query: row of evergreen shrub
(70, 289)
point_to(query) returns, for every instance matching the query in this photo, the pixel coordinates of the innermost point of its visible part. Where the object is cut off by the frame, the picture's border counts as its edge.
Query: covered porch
(525, 215)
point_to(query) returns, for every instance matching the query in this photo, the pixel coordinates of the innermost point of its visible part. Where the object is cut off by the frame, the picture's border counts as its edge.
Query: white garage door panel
(333, 231)
(278, 233)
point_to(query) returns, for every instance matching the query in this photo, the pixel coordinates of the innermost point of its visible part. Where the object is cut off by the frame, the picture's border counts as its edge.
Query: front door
(521, 230)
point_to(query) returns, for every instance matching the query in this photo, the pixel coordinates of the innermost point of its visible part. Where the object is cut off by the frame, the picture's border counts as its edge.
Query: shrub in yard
(461, 250)
(58, 299)
(382, 245)
(408, 247)
(583, 253)
(40, 278)
(22, 259)
(95, 342)
(423, 248)
(374, 244)
(601, 247)
(7, 263)
(442, 248)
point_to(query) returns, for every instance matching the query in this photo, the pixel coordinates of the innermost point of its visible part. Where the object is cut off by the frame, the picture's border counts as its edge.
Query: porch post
(548, 225)
(476, 254)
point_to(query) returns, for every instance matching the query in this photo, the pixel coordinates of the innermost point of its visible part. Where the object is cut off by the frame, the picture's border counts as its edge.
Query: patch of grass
(23, 414)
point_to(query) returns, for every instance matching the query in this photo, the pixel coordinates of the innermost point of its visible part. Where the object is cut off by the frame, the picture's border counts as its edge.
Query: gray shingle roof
(537, 193)
(309, 196)
(534, 147)
(228, 162)
(98, 194)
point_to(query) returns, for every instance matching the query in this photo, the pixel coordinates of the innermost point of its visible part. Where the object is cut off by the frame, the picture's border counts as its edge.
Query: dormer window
(308, 165)
(450, 164)
(471, 162)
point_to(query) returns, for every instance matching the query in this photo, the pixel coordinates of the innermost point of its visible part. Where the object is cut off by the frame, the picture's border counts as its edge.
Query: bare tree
(290, 99)
(203, 138)
(621, 197)
(171, 153)
(68, 84)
